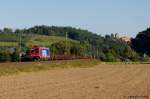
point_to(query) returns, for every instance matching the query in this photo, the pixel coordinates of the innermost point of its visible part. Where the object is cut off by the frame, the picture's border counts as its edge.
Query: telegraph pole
(52, 48)
(66, 42)
(20, 47)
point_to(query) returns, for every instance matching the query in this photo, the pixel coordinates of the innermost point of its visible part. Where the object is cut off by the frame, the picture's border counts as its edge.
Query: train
(39, 53)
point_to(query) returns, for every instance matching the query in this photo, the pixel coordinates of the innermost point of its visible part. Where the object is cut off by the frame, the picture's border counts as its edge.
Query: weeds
(15, 68)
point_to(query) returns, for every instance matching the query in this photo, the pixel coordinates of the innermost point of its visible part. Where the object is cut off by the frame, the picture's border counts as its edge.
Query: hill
(44, 40)
(32, 40)
(80, 42)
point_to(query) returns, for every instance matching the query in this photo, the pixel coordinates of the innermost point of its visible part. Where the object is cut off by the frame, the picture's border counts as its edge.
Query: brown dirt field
(99, 82)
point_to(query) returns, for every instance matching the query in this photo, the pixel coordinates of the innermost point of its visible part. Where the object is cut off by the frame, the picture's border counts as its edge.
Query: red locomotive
(38, 53)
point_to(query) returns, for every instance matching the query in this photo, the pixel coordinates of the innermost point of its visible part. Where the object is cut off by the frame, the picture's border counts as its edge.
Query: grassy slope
(40, 40)
(8, 43)
(15, 68)
(47, 40)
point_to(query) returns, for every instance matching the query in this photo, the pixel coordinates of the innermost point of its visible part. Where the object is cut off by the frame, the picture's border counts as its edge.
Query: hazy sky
(126, 17)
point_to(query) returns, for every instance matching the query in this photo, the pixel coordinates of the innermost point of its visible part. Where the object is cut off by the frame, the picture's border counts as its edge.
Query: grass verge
(114, 63)
(15, 68)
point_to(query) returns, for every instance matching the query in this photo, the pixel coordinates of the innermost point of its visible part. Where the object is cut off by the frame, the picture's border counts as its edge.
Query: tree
(107, 48)
(110, 57)
(7, 30)
(15, 55)
(1, 31)
(5, 56)
(141, 42)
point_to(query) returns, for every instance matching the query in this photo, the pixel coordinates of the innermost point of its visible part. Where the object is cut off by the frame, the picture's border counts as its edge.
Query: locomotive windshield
(34, 51)
(45, 52)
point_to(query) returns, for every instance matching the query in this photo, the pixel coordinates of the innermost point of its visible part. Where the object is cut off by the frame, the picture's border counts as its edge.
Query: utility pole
(20, 47)
(53, 48)
(66, 42)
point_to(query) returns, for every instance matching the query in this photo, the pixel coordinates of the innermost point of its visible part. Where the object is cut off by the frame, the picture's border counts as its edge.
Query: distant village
(124, 38)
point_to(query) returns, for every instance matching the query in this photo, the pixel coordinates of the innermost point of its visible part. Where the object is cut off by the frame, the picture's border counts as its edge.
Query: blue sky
(126, 17)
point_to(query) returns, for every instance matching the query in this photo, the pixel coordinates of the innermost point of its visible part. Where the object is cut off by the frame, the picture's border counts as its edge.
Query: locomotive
(37, 53)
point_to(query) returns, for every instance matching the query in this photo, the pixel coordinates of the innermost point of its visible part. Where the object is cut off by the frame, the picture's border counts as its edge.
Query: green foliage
(79, 42)
(2, 43)
(7, 30)
(15, 55)
(141, 42)
(146, 58)
(110, 57)
(44, 40)
(5, 56)
(68, 47)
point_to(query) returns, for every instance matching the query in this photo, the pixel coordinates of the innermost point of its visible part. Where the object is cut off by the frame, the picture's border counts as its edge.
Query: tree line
(106, 48)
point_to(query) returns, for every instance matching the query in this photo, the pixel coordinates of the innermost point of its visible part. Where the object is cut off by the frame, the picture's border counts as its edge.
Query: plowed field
(99, 82)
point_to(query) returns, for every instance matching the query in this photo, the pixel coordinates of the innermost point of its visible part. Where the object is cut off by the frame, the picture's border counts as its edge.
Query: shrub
(15, 57)
(5, 57)
(110, 57)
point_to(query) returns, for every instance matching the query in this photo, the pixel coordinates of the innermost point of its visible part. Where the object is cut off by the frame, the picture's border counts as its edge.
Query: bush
(15, 57)
(5, 57)
(110, 57)
(102, 56)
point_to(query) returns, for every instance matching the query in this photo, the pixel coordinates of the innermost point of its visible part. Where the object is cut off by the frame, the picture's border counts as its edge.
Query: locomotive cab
(38, 53)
